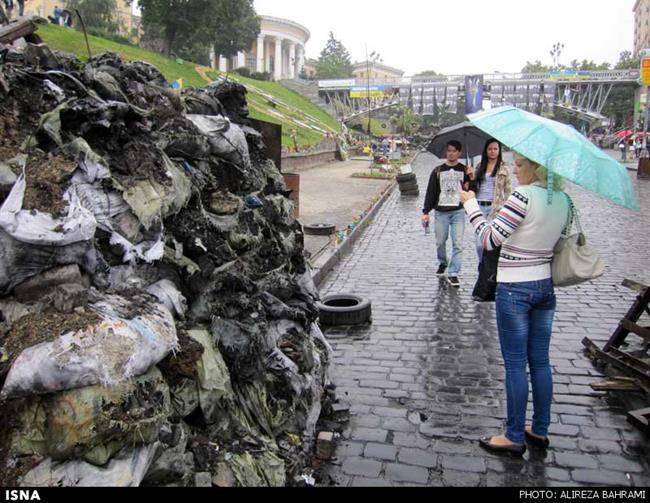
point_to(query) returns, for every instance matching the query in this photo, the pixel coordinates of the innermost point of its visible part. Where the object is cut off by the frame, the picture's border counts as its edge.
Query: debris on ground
(157, 315)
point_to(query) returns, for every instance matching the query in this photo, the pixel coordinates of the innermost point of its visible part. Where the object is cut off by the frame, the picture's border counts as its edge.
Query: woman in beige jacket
(492, 184)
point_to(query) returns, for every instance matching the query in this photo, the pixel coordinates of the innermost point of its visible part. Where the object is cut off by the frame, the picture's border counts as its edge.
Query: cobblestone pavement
(425, 380)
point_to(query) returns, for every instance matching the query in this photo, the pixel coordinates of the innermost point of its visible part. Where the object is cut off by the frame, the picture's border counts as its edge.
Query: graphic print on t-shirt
(451, 183)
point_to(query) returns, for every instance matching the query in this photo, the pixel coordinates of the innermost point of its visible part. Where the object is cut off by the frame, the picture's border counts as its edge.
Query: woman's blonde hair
(541, 173)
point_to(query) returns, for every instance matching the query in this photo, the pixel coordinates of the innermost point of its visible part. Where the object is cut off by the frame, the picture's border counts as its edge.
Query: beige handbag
(574, 261)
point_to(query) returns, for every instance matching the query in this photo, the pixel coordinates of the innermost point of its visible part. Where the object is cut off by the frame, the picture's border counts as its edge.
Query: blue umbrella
(561, 149)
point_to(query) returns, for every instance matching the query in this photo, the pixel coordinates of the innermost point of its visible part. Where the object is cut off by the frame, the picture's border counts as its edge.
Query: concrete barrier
(300, 161)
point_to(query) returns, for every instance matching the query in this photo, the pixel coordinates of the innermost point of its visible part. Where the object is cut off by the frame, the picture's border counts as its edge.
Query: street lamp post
(368, 93)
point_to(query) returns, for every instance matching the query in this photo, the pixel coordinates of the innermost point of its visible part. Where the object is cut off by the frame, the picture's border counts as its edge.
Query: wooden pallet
(637, 372)
(629, 322)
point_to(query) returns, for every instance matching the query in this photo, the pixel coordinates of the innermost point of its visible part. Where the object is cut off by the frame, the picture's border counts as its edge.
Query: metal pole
(368, 91)
(647, 116)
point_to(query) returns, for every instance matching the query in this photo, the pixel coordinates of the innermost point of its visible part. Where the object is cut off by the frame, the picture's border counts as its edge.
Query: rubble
(157, 315)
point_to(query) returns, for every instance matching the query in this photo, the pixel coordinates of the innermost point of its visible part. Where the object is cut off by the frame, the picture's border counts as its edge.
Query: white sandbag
(127, 471)
(108, 353)
(169, 296)
(226, 139)
(38, 228)
(148, 251)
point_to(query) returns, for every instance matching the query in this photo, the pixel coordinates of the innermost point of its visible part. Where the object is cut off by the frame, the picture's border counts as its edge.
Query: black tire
(405, 178)
(408, 186)
(344, 310)
(319, 229)
(411, 193)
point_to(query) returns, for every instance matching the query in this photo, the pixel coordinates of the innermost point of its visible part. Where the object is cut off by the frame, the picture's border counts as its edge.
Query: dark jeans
(525, 314)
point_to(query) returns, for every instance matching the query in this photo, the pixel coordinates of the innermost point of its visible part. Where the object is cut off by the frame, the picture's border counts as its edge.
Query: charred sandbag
(194, 358)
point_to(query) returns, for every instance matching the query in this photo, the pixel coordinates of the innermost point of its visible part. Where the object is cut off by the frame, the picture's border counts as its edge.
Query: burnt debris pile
(157, 316)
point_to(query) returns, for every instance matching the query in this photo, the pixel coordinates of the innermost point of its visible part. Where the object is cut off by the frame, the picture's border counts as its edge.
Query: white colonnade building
(278, 50)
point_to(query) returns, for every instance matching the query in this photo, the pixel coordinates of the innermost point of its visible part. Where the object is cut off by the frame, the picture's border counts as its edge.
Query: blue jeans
(486, 210)
(450, 222)
(525, 314)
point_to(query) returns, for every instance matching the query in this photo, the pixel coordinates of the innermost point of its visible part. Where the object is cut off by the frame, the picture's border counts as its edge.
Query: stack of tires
(408, 185)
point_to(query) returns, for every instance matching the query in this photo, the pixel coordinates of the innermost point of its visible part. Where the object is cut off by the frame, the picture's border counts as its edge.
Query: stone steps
(309, 91)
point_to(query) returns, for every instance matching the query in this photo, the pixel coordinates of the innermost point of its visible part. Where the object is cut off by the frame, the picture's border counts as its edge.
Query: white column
(292, 60)
(260, 53)
(267, 56)
(277, 74)
(213, 59)
(300, 64)
(223, 64)
(241, 59)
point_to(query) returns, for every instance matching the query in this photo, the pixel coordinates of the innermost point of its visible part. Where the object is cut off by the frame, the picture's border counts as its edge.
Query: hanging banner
(473, 93)
(645, 71)
(372, 92)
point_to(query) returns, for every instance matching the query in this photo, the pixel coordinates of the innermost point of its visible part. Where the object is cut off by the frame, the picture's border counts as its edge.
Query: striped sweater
(527, 229)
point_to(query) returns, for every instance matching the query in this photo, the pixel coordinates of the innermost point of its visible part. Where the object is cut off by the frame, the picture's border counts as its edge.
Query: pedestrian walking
(638, 147)
(443, 195)
(493, 186)
(21, 7)
(623, 150)
(492, 183)
(631, 151)
(9, 8)
(527, 228)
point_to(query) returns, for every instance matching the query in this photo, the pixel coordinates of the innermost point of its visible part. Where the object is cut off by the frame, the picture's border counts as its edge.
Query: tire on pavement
(405, 178)
(344, 310)
(411, 193)
(408, 186)
(319, 229)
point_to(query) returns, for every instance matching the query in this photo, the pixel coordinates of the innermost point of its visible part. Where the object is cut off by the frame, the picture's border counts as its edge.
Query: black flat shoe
(513, 450)
(537, 442)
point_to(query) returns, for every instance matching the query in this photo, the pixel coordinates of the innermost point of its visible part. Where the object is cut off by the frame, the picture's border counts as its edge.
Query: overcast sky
(464, 36)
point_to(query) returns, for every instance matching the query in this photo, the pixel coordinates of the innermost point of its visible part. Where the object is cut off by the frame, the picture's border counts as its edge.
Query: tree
(237, 26)
(620, 104)
(536, 67)
(427, 73)
(97, 14)
(627, 62)
(334, 61)
(556, 53)
(587, 66)
(177, 19)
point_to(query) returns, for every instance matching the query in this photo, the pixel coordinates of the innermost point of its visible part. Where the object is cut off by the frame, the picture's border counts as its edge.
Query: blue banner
(473, 94)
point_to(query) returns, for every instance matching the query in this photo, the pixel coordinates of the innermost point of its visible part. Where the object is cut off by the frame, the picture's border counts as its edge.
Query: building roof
(287, 22)
(364, 64)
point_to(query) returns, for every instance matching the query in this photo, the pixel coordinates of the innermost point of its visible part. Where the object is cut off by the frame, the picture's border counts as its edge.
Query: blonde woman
(527, 228)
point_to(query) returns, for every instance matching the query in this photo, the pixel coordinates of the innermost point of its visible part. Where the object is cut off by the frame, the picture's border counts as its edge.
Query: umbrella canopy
(561, 149)
(472, 138)
(624, 134)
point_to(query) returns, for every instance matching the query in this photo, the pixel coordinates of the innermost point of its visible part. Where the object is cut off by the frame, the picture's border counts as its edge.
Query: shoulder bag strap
(572, 218)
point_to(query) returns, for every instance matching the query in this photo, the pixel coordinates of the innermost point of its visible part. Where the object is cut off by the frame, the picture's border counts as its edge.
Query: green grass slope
(268, 101)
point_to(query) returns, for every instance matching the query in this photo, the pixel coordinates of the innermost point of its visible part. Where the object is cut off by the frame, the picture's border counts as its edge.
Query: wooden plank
(628, 364)
(642, 332)
(633, 315)
(633, 285)
(20, 28)
(640, 419)
(616, 386)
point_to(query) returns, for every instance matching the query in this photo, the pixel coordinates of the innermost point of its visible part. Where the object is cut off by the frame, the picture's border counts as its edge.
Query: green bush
(265, 76)
(243, 71)
(115, 37)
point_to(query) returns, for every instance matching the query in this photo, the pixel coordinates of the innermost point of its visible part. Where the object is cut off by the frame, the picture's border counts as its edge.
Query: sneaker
(441, 270)
(453, 281)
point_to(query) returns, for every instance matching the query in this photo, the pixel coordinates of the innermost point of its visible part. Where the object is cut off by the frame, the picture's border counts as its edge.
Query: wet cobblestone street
(425, 380)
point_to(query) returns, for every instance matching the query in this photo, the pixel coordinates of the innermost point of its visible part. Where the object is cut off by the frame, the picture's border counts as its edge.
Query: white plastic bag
(109, 353)
(128, 471)
(227, 139)
(38, 228)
